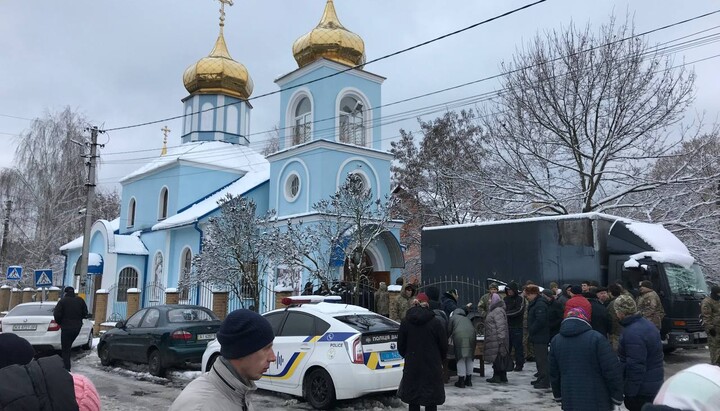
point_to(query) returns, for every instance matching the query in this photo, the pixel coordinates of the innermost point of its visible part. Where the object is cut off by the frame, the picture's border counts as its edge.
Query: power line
(405, 50)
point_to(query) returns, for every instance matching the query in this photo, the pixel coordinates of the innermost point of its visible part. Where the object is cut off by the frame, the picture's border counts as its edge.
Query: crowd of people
(594, 347)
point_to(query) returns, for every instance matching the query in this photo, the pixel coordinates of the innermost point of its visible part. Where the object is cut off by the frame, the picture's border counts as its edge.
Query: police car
(328, 351)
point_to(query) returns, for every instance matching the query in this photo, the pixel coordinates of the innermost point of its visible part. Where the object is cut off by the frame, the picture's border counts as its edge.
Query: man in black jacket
(69, 314)
(555, 312)
(539, 334)
(515, 308)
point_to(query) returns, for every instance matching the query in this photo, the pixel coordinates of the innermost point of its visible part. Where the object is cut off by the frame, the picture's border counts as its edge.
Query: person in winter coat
(423, 343)
(564, 295)
(69, 313)
(382, 300)
(515, 308)
(246, 352)
(600, 318)
(577, 300)
(693, 389)
(649, 304)
(555, 312)
(497, 339)
(402, 302)
(585, 373)
(433, 294)
(484, 305)
(616, 291)
(710, 311)
(539, 333)
(640, 353)
(449, 301)
(462, 331)
(308, 289)
(43, 384)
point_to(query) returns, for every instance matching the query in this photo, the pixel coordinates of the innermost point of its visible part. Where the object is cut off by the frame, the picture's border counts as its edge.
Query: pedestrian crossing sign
(14, 272)
(43, 278)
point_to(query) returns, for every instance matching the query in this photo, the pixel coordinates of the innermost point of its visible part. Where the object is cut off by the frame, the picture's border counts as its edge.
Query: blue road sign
(14, 272)
(43, 278)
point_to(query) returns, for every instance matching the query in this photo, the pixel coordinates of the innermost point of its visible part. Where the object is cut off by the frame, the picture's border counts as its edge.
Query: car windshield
(368, 322)
(686, 280)
(184, 315)
(31, 310)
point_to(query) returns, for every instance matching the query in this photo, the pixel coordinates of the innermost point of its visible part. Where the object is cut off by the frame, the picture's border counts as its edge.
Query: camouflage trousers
(529, 351)
(714, 344)
(614, 341)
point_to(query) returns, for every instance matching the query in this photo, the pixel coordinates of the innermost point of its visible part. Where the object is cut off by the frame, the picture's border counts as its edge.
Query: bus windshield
(687, 281)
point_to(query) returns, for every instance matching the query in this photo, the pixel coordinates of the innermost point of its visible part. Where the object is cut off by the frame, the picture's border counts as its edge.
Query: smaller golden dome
(218, 73)
(330, 40)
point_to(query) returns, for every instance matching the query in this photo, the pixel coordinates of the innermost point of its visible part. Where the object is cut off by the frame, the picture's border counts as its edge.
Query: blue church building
(329, 128)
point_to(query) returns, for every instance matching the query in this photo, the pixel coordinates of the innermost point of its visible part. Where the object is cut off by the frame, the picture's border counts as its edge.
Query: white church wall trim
(325, 63)
(343, 173)
(295, 99)
(367, 111)
(304, 181)
(330, 145)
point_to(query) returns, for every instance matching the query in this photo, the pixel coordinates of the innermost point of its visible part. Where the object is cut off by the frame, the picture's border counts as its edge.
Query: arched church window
(131, 213)
(233, 118)
(206, 117)
(352, 121)
(186, 267)
(303, 121)
(128, 279)
(163, 204)
(188, 119)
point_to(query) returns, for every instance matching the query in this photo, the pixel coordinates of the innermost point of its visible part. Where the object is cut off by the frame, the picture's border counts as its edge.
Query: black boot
(460, 382)
(503, 376)
(496, 379)
(468, 380)
(518, 368)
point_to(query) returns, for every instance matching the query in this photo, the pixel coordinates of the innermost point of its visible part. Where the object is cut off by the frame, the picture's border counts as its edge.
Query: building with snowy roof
(329, 129)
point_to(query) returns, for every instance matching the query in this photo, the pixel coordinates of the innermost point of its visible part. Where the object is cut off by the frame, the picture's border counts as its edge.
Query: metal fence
(118, 309)
(154, 294)
(469, 289)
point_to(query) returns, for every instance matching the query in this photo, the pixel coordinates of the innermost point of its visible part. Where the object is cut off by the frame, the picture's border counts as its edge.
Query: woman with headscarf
(497, 339)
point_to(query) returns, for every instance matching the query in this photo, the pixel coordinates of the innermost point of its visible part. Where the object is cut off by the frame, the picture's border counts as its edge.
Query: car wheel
(88, 346)
(155, 364)
(210, 362)
(319, 389)
(104, 354)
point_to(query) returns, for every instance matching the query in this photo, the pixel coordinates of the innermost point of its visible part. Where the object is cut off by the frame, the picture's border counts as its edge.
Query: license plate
(206, 336)
(390, 356)
(700, 336)
(24, 327)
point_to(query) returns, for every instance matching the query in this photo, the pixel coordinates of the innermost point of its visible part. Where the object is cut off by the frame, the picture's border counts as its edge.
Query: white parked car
(328, 351)
(35, 323)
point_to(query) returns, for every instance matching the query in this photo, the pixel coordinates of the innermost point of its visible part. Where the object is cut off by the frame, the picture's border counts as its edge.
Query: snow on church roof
(215, 154)
(241, 186)
(77, 243)
(121, 243)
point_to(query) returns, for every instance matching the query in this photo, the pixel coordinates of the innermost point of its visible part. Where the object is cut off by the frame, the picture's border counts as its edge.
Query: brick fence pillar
(220, 304)
(27, 295)
(172, 296)
(279, 296)
(53, 294)
(133, 302)
(15, 298)
(5, 297)
(100, 314)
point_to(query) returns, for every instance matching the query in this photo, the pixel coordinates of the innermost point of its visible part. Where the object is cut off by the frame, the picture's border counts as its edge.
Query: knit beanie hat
(696, 388)
(242, 333)
(548, 292)
(15, 350)
(646, 284)
(493, 285)
(86, 395)
(578, 313)
(625, 304)
(532, 289)
(576, 289)
(423, 298)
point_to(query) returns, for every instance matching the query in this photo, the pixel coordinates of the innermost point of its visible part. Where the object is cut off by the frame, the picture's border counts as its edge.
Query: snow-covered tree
(581, 119)
(233, 256)
(690, 205)
(339, 232)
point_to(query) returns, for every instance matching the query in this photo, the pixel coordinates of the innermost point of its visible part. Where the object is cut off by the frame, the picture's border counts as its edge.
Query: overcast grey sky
(121, 62)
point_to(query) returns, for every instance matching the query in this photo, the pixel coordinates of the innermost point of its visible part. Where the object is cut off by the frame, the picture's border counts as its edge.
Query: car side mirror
(120, 324)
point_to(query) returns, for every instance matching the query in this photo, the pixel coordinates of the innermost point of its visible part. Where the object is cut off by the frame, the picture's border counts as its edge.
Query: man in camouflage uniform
(483, 306)
(710, 309)
(649, 305)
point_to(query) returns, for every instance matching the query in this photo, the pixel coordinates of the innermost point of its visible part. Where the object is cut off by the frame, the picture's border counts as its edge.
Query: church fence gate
(154, 294)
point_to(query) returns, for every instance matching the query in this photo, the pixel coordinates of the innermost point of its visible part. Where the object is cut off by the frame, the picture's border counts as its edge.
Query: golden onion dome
(218, 73)
(330, 40)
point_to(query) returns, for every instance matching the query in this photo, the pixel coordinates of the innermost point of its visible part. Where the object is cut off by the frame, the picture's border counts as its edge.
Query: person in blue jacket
(641, 355)
(585, 373)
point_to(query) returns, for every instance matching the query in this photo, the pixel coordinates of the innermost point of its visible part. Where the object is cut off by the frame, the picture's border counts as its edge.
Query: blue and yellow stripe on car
(292, 363)
(372, 361)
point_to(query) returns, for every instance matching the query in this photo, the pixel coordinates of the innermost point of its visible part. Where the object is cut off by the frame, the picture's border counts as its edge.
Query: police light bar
(310, 299)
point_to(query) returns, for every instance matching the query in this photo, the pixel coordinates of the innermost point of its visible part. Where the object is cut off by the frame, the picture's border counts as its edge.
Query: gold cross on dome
(222, 11)
(165, 131)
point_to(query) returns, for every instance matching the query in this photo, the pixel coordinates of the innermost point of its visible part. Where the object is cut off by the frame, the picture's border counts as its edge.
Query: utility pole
(6, 232)
(89, 201)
